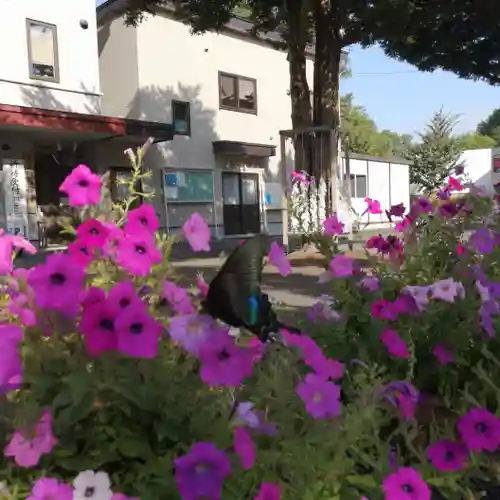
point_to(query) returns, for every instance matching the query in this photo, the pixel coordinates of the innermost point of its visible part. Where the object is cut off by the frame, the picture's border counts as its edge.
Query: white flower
(90, 485)
(3, 489)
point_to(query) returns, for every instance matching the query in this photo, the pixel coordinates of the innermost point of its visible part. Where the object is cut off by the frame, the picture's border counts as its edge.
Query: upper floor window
(181, 117)
(42, 51)
(237, 93)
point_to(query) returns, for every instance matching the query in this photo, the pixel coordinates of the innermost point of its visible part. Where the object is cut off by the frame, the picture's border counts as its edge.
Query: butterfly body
(235, 296)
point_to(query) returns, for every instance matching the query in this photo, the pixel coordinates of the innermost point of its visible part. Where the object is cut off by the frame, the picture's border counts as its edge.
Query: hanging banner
(15, 195)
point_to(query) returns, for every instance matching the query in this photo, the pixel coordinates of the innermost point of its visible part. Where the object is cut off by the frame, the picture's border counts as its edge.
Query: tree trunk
(299, 87)
(328, 51)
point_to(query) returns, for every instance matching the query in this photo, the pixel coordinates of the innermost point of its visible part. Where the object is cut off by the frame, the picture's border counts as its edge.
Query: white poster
(16, 200)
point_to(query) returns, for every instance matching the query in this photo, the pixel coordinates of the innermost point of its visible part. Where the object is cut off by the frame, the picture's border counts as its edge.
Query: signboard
(15, 195)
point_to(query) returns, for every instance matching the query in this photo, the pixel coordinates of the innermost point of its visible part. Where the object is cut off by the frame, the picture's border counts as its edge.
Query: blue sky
(402, 99)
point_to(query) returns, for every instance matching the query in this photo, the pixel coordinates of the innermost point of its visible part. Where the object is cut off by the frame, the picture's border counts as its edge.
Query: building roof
(237, 25)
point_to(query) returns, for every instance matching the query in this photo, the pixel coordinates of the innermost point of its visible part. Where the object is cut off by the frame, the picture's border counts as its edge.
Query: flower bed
(114, 385)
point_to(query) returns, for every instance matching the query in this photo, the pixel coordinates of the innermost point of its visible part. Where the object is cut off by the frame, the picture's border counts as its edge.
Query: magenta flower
(342, 266)
(192, 331)
(8, 244)
(373, 206)
(137, 253)
(279, 260)
(406, 484)
(332, 226)
(403, 396)
(447, 455)
(245, 415)
(224, 363)
(58, 284)
(98, 327)
(420, 295)
(325, 367)
(11, 368)
(397, 210)
(201, 472)
(447, 290)
(81, 252)
(269, 491)
(82, 187)
(178, 298)
(123, 295)
(93, 233)
(406, 406)
(142, 218)
(137, 333)
(455, 184)
(449, 209)
(321, 397)
(197, 233)
(479, 430)
(20, 306)
(28, 445)
(244, 447)
(383, 309)
(94, 295)
(443, 354)
(300, 177)
(483, 241)
(423, 205)
(395, 345)
(48, 488)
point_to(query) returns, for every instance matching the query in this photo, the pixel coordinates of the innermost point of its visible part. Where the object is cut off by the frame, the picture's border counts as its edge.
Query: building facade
(227, 98)
(50, 109)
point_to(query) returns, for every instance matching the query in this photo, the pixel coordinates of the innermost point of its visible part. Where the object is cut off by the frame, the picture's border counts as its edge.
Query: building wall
(171, 65)
(479, 167)
(78, 88)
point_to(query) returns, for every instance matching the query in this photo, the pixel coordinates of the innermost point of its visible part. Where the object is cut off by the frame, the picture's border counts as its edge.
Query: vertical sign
(15, 192)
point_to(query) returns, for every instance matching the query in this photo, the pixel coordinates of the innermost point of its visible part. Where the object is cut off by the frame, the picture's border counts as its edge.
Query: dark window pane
(361, 186)
(228, 91)
(181, 117)
(246, 94)
(352, 180)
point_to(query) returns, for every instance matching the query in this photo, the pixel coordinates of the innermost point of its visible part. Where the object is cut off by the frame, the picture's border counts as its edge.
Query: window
(42, 51)
(181, 117)
(358, 186)
(237, 93)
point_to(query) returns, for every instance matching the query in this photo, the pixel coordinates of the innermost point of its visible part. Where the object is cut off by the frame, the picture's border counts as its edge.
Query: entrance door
(241, 203)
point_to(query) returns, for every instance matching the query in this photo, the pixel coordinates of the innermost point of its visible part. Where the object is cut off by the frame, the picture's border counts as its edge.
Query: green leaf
(134, 448)
(365, 480)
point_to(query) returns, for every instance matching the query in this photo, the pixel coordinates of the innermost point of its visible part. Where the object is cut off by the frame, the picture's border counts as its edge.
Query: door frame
(262, 205)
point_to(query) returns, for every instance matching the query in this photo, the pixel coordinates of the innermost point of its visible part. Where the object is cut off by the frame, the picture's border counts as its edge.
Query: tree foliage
(436, 153)
(474, 140)
(491, 127)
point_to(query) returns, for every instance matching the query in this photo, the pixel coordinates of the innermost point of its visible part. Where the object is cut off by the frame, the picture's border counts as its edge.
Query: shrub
(117, 386)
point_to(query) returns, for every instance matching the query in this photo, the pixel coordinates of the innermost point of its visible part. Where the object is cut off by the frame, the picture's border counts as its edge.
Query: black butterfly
(235, 296)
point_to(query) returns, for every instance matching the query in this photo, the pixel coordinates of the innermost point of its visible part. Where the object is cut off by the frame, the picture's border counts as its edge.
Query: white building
(482, 166)
(50, 107)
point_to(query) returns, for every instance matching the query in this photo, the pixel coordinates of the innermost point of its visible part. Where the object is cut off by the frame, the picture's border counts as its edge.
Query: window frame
(53, 28)
(237, 79)
(185, 103)
(354, 183)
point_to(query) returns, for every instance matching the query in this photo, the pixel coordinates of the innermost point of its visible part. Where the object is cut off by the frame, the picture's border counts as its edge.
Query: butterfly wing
(236, 290)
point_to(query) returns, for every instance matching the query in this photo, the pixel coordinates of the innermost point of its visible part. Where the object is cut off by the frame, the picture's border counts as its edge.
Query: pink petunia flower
(82, 187)
(480, 430)
(406, 484)
(202, 285)
(8, 244)
(137, 333)
(197, 233)
(269, 491)
(300, 177)
(137, 253)
(395, 345)
(202, 471)
(142, 218)
(447, 290)
(447, 455)
(93, 233)
(82, 252)
(122, 295)
(178, 298)
(224, 363)
(419, 293)
(342, 266)
(455, 184)
(483, 241)
(321, 397)
(443, 354)
(279, 260)
(192, 331)
(28, 445)
(332, 226)
(373, 206)
(244, 447)
(47, 488)
(98, 327)
(369, 283)
(11, 367)
(58, 284)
